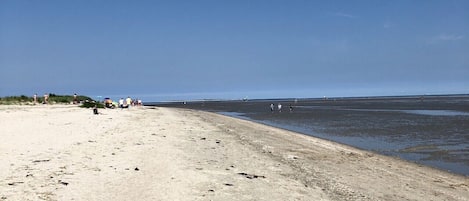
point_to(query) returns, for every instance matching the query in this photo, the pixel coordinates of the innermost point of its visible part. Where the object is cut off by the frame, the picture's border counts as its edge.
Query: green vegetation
(92, 104)
(53, 99)
(15, 99)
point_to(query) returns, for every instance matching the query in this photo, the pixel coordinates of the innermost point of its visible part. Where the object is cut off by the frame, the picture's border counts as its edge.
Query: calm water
(432, 131)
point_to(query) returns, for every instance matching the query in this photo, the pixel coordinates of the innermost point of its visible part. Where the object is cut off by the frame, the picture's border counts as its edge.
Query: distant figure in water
(279, 107)
(271, 107)
(291, 108)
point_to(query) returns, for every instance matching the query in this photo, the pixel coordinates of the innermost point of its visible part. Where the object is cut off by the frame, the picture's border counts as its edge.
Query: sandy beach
(62, 152)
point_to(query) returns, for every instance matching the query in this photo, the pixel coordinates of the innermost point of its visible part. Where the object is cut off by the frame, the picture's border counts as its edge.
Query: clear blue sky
(162, 50)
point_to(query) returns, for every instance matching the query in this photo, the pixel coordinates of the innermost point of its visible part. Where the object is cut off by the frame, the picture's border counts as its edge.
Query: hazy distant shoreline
(424, 96)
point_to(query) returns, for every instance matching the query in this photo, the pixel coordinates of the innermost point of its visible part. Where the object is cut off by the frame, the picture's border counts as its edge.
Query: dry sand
(66, 153)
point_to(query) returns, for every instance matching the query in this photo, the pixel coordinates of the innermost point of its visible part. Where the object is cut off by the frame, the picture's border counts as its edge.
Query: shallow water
(437, 112)
(420, 112)
(432, 131)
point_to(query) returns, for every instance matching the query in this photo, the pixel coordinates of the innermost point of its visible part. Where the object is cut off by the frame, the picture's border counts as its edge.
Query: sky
(230, 49)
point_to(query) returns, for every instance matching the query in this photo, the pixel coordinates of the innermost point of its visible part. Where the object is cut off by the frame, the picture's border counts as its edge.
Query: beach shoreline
(60, 152)
(431, 131)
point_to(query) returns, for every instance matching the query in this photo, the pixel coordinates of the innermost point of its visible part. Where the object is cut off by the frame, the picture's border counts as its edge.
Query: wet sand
(152, 153)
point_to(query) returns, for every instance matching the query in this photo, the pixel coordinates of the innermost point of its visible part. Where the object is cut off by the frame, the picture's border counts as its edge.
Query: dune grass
(53, 99)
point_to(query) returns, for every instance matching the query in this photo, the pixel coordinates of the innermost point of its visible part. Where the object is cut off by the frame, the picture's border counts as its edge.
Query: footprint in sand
(251, 176)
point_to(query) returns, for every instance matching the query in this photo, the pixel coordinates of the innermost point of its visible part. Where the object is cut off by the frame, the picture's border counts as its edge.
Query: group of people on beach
(129, 102)
(45, 100)
(279, 108)
(122, 103)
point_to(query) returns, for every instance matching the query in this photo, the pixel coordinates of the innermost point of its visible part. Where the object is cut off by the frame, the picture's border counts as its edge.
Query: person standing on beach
(35, 99)
(46, 98)
(128, 101)
(121, 103)
(272, 107)
(75, 98)
(279, 107)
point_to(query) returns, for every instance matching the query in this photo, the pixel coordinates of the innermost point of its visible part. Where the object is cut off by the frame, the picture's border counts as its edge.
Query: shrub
(92, 104)
(15, 99)
(53, 98)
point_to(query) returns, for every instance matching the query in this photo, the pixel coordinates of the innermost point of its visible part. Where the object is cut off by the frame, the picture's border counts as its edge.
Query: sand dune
(67, 153)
